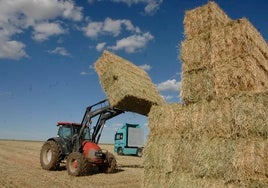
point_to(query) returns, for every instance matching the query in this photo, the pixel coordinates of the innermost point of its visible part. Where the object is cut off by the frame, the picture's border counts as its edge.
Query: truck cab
(129, 140)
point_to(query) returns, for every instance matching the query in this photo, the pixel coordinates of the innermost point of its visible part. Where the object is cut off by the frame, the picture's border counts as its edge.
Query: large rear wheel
(77, 164)
(50, 155)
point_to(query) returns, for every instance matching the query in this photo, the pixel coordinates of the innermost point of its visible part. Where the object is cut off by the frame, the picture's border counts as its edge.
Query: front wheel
(139, 152)
(111, 166)
(77, 164)
(50, 155)
(120, 151)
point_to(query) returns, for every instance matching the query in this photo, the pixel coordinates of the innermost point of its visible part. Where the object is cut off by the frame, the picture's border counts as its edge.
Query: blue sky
(48, 48)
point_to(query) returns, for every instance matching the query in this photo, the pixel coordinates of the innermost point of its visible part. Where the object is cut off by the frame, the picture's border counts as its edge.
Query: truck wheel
(50, 155)
(77, 164)
(139, 152)
(120, 151)
(111, 166)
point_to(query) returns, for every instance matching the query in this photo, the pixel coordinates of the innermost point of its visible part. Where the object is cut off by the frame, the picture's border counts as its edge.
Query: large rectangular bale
(203, 19)
(242, 115)
(238, 75)
(196, 53)
(250, 114)
(239, 38)
(197, 85)
(197, 120)
(230, 162)
(241, 162)
(161, 118)
(127, 86)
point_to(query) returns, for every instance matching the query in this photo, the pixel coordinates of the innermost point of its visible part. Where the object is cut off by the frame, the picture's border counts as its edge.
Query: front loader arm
(105, 113)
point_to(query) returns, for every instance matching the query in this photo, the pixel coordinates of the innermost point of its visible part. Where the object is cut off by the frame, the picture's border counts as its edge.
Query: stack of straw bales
(229, 56)
(127, 86)
(219, 137)
(215, 143)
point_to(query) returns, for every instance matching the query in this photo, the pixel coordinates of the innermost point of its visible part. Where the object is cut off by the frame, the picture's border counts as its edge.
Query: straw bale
(227, 78)
(195, 121)
(242, 115)
(250, 160)
(185, 180)
(203, 19)
(239, 38)
(196, 53)
(250, 114)
(127, 86)
(197, 85)
(240, 162)
(239, 75)
(234, 55)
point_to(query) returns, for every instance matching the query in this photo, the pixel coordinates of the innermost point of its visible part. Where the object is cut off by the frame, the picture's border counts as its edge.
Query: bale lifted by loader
(78, 143)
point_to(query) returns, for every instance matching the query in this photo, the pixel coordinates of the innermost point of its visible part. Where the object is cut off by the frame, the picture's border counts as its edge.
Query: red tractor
(77, 144)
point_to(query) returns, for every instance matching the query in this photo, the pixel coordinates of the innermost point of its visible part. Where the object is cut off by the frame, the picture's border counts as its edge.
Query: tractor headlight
(99, 154)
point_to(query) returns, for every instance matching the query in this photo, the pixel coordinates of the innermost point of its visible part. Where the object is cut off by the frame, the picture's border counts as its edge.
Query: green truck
(129, 140)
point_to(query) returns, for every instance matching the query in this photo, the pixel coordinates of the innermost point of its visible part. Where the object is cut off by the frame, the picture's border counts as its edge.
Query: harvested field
(20, 167)
(127, 86)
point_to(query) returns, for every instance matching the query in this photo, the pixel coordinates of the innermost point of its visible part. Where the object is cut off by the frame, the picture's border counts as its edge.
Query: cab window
(86, 134)
(65, 132)
(118, 136)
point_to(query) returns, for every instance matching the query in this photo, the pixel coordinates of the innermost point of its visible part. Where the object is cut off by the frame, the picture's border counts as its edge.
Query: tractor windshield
(67, 131)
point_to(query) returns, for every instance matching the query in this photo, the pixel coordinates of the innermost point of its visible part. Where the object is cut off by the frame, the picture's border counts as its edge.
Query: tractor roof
(69, 123)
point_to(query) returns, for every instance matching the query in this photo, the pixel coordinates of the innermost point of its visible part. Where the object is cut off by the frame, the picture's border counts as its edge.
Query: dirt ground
(20, 167)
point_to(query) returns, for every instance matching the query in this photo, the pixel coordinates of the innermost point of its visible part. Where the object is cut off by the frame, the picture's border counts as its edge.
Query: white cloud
(60, 50)
(70, 11)
(109, 27)
(132, 43)
(19, 15)
(93, 29)
(115, 26)
(167, 97)
(146, 67)
(83, 73)
(38, 10)
(169, 85)
(100, 46)
(12, 49)
(151, 6)
(90, 71)
(44, 30)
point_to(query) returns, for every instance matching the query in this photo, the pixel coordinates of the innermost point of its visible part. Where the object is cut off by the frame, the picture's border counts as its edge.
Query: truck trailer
(129, 140)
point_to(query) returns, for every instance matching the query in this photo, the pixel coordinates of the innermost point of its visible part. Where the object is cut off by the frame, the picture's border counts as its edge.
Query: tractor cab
(69, 130)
